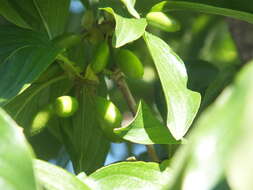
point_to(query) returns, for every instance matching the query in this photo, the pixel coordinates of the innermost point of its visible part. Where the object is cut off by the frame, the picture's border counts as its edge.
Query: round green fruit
(101, 57)
(129, 63)
(109, 117)
(67, 40)
(162, 21)
(65, 106)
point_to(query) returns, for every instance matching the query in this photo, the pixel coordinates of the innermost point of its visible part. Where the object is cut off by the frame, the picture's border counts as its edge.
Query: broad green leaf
(53, 14)
(204, 7)
(218, 134)
(42, 15)
(130, 175)
(24, 55)
(145, 128)
(130, 7)
(201, 75)
(12, 15)
(182, 103)
(16, 170)
(127, 29)
(86, 142)
(55, 178)
(239, 170)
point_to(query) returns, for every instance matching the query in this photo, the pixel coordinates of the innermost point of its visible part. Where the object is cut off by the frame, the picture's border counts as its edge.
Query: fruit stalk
(122, 85)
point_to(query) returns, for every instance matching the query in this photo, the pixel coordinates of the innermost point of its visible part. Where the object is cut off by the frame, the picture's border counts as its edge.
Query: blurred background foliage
(210, 55)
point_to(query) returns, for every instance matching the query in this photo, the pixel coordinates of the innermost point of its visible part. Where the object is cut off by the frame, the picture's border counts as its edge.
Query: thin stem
(191, 6)
(152, 153)
(122, 85)
(68, 65)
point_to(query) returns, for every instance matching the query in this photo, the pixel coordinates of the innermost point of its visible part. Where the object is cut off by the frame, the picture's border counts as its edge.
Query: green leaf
(182, 103)
(86, 143)
(145, 128)
(215, 140)
(239, 170)
(205, 8)
(42, 15)
(127, 29)
(130, 175)
(54, 15)
(12, 15)
(16, 171)
(55, 178)
(24, 56)
(130, 7)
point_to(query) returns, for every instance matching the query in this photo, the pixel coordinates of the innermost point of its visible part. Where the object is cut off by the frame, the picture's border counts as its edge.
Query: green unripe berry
(41, 119)
(162, 21)
(109, 117)
(129, 63)
(101, 57)
(65, 106)
(67, 40)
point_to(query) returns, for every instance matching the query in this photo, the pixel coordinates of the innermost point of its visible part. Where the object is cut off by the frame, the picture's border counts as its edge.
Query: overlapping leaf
(16, 171)
(127, 29)
(130, 7)
(182, 103)
(24, 55)
(130, 175)
(54, 178)
(42, 15)
(218, 138)
(146, 129)
(86, 142)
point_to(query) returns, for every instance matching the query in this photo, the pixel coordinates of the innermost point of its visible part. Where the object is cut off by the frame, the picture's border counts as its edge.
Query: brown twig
(119, 79)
